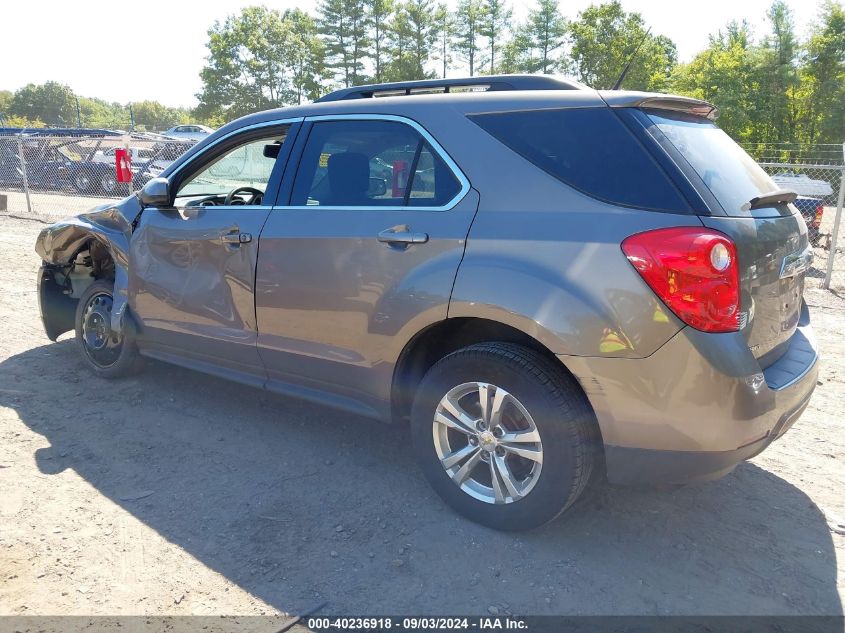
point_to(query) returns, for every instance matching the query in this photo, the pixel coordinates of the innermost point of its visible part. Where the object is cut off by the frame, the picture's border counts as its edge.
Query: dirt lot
(178, 493)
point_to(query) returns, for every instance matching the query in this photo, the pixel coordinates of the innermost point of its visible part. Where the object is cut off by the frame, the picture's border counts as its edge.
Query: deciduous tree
(50, 102)
(605, 38)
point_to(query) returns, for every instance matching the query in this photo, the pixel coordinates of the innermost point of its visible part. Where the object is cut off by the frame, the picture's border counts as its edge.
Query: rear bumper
(697, 407)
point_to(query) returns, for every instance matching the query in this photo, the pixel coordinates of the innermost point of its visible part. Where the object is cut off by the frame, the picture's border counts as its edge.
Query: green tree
(444, 26)
(494, 26)
(50, 102)
(153, 116)
(542, 37)
(379, 13)
(604, 38)
(305, 57)
(244, 69)
(102, 114)
(518, 53)
(423, 31)
(344, 25)
(725, 74)
(468, 24)
(5, 100)
(535, 45)
(778, 77)
(401, 63)
(259, 59)
(823, 78)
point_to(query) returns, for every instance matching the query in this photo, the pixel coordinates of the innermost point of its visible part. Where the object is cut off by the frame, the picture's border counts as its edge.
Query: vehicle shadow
(298, 504)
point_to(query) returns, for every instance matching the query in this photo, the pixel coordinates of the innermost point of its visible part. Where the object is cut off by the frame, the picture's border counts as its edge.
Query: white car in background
(803, 185)
(193, 132)
(139, 155)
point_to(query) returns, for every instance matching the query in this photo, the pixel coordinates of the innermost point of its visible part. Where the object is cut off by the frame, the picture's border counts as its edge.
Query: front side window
(246, 167)
(370, 164)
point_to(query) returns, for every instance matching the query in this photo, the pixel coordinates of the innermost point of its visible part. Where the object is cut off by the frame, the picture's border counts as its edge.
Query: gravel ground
(177, 493)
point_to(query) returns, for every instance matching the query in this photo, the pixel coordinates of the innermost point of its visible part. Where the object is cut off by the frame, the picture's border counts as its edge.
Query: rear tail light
(694, 271)
(819, 214)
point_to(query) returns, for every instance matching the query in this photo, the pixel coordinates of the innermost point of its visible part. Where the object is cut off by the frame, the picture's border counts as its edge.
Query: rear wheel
(108, 184)
(107, 353)
(503, 435)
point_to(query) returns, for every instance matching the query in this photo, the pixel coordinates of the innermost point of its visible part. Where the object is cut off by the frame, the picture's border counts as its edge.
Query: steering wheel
(255, 198)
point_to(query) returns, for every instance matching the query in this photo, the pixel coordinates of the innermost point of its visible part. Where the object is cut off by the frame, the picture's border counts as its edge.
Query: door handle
(402, 235)
(234, 237)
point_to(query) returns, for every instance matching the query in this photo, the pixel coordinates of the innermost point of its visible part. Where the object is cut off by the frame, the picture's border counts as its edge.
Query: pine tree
(546, 30)
(497, 16)
(443, 25)
(380, 12)
(344, 26)
(468, 24)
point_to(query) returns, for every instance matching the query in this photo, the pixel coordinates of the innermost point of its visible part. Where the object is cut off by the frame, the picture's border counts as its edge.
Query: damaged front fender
(111, 225)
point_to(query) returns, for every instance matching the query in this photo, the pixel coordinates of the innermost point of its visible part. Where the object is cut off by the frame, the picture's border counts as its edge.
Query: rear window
(729, 173)
(589, 149)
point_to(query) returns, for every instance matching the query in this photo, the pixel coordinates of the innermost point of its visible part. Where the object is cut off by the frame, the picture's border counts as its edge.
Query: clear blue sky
(129, 51)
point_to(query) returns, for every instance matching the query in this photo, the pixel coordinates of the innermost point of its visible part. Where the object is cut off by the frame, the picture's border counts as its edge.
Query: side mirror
(378, 187)
(156, 193)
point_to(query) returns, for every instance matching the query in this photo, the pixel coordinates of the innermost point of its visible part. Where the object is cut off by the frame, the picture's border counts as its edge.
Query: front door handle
(402, 235)
(235, 237)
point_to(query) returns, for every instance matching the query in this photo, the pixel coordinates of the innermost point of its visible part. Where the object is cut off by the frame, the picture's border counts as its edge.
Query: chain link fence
(52, 174)
(820, 190)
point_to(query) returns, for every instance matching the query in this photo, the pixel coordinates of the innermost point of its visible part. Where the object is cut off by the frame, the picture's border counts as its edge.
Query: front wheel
(107, 353)
(108, 184)
(503, 435)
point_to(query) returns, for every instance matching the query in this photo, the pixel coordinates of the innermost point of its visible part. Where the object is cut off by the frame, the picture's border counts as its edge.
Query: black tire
(82, 181)
(112, 361)
(108, 183)
(559, 409)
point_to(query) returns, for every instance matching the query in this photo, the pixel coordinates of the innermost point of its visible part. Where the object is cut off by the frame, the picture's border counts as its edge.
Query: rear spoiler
(676, 103)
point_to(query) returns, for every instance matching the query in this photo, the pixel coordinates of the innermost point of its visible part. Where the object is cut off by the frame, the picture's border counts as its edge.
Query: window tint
(370, 163)
(589, 149)
(729, 172)
(434, 183)
(249, 164)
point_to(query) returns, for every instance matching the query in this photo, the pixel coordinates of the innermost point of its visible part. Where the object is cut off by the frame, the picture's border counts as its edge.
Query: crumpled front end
(79, 250)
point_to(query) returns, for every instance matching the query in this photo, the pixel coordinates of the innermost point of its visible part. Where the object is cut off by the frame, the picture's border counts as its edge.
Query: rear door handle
(402, 235)
(235, 237)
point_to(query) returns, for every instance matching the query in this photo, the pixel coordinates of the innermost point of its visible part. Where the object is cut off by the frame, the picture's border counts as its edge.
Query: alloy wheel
(487, 443)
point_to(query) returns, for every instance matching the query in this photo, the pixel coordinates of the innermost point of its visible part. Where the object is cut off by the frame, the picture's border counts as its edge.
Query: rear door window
(731, 175)
(371, 163)
(591, 150)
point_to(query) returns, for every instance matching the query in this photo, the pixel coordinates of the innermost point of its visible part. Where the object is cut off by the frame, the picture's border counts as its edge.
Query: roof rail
(465, 84)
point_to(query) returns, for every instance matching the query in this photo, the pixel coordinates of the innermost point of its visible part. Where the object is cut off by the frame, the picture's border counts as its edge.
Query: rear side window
(371, 163)
(589, 149)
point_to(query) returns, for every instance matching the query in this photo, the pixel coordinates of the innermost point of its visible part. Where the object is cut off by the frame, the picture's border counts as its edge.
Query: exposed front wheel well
(61, 286)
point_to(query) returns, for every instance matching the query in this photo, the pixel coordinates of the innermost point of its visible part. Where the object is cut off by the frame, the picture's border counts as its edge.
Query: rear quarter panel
(546, 259)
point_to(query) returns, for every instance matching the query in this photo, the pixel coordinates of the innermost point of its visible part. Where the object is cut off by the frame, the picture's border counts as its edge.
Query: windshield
(731, 175)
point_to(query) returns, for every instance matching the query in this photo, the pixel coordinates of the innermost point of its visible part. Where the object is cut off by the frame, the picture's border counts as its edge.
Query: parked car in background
(163, 154)
(812, 210)
(138, 155)
(803, 185)
(541, 279)
(46, 168)
(193, 132)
